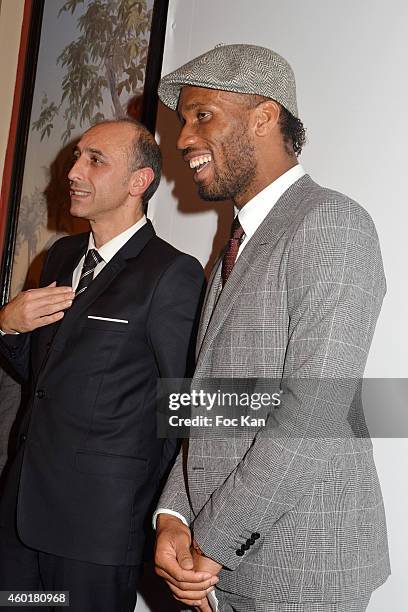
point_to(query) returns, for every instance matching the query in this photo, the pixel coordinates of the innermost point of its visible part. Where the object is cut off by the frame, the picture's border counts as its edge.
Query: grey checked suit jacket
(301, 306)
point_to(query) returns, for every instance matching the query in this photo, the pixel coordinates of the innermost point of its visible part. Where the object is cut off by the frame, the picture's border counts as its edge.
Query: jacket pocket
(108, 464)
(104, 324)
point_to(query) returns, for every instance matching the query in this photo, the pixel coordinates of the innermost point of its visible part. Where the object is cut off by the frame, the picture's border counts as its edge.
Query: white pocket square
(108, 319)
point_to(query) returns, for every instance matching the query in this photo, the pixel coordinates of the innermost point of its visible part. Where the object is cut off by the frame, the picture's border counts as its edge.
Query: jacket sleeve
(335, 287)
(173, 316)
(16, 350)
(172, 330)
(174, 495)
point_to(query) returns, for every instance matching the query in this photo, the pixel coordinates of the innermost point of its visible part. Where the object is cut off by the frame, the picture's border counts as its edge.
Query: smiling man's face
(216, 142)
(100, 177)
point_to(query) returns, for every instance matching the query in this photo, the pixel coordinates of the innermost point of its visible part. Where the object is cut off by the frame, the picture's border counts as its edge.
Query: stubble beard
(239, 172)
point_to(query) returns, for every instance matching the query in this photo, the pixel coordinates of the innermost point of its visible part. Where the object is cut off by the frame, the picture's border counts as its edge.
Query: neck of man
(269, 168)
(104, 230)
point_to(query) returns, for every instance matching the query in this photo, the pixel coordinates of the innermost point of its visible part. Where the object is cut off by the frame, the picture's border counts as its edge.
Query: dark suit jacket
(91, 460)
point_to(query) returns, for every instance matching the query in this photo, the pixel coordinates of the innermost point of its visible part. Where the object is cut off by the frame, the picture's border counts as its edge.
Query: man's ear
(266, 117)
(140, 181)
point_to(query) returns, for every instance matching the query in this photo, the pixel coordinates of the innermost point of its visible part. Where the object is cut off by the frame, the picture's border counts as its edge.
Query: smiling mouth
(199, 163)
(78, 193)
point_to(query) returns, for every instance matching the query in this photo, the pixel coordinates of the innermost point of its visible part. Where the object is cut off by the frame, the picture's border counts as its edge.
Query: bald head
(139, 148)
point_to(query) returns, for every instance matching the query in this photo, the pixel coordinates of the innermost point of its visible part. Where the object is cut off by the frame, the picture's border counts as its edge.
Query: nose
(76, 172)
(187, 137)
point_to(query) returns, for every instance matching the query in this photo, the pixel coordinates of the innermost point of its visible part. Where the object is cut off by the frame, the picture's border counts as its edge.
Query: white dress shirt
(254, 212)
(106, 251)
(251, 216)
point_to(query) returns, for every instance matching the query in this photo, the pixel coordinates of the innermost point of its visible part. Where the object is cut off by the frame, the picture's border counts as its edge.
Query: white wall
(351, 60)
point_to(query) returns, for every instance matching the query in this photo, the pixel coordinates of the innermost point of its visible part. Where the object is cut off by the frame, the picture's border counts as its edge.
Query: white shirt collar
(109, 249)
(255, 211)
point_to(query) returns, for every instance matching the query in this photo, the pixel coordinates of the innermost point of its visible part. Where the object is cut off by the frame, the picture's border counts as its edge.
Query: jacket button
(23, 438)
(250, 541)
(239, 552)
(255, 536)
(245, 546)
(40, 393)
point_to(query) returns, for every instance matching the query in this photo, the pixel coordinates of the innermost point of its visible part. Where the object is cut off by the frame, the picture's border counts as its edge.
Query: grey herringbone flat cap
(247, 69)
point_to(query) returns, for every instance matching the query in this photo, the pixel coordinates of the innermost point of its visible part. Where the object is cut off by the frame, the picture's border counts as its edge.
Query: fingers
(173, 557)
(204, 606)
(43, 321)
(42, 312)
(202, 585)
(49, 292)
(37, 303)
(187, 586)
(184, 558)
(36, 308)
(190, 596)
(172, 572)
(175, 563)
(198, 604)
(42, 308)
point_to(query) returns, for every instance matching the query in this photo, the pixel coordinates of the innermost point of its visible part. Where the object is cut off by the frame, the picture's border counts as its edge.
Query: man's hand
(174, 562)
(35, 308)
(204, 564)
(204, 606)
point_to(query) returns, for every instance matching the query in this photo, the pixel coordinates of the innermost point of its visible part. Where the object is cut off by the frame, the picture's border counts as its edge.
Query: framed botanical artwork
(84, 61)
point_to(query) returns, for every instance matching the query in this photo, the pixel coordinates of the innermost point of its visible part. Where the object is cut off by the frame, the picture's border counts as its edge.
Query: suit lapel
(101, 283)
(72, 256)
(211, 296)
(266, 237)
(82, 302)
(75, 248)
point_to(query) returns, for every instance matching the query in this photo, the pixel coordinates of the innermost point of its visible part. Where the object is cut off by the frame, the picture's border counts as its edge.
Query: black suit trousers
(92, 587)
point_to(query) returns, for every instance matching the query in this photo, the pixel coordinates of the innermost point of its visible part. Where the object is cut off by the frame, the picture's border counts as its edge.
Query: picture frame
(27, 118)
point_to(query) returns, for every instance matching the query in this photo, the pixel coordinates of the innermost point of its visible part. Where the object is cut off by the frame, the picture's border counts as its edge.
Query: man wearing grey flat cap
(288, 517)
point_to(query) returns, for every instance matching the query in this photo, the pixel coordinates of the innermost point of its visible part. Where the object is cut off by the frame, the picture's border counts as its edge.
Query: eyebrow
(194, 105)
(189, 107)
(90, 150)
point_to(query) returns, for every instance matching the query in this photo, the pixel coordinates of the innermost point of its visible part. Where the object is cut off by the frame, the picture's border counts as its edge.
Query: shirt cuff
(167, 511)
(2, 333)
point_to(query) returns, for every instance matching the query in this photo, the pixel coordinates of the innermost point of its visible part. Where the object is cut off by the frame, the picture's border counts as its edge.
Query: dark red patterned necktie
(232, 250)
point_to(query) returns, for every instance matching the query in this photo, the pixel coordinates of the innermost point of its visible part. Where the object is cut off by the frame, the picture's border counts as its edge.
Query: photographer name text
(218, 421)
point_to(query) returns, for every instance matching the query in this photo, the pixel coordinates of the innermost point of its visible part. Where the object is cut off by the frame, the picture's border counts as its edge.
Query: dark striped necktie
(230, 255)
(91, 261)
